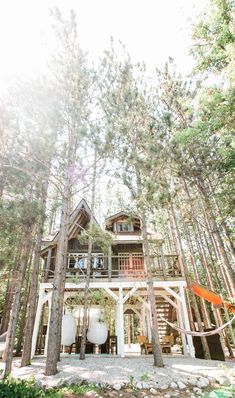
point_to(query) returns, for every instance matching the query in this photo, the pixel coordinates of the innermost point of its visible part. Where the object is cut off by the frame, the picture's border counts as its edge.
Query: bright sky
(152, 30)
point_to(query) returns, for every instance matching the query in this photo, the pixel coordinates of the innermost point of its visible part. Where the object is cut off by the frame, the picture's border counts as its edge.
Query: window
(79, 260)
(124, 227)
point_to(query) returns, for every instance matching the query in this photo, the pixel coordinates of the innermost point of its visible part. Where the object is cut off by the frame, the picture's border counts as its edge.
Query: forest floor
(115, 377)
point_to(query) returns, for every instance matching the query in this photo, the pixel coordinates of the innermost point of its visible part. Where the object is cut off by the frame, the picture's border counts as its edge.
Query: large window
(79, 260)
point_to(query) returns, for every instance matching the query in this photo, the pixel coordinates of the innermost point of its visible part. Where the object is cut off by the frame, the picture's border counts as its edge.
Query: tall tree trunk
(186, 275)
(227, 235)
(157, 353)
(8, 353)
(204, 309)
(227, 268)
(9, 296)
(59, 279)
(23, 312)
(88, 274)
(32, 302)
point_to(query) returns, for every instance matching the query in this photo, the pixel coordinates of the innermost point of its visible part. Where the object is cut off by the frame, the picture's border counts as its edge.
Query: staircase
(164, 309)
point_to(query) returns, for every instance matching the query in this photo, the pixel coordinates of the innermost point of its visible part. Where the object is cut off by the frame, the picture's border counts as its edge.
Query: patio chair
(167, 343)
(145, 345)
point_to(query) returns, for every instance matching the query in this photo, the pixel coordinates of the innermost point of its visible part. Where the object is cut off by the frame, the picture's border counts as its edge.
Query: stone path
(178, 374)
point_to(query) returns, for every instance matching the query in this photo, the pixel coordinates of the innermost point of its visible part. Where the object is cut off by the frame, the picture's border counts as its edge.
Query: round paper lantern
(69, 330)
(98, 331)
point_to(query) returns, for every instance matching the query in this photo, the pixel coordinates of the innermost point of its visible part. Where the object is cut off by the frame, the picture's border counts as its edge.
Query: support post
(37, 320)
(110, 263)
(48, 263)
(120, 324)
(186, 322)
(181, 322)
(48, 324)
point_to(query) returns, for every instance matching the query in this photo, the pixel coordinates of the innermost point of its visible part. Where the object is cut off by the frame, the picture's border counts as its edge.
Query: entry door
(131, 264)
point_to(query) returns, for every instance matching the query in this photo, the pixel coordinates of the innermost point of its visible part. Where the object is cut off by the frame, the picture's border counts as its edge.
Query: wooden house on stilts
(120, 277)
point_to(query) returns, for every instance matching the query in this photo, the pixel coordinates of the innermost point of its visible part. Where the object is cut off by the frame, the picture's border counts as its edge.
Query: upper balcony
(122, 267)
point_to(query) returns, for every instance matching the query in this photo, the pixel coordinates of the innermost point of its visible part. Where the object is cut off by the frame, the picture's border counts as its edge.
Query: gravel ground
(179, 372)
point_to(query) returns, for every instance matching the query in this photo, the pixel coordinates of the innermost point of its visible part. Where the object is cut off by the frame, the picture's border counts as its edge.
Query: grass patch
(17, 388)
(222, 392)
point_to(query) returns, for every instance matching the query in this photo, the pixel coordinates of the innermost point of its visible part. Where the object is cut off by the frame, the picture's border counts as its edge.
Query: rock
(181, 385)
(117, 387)
(168, 395)
(197, 390)
(164, 387)
(192, 381)
(202, 382)
(153, 391)
(173, 385)
(72, 380)
(40, 383)
(139, 386)
(145, 385)
(223, 380)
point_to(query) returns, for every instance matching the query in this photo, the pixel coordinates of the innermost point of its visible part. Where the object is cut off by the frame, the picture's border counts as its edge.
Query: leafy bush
(15, 388)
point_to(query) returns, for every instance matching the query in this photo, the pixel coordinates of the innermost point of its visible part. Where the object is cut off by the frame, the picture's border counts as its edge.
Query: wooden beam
(130, 293)
(173, 293)
(111, 293)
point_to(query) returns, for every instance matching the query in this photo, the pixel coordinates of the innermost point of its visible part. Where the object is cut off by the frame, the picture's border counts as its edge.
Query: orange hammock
(214, 298)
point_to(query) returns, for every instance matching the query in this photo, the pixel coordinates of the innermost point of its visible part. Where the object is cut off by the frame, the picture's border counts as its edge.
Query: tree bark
(88, 273)
(9, 296)
(157, 353)
(8, 353)
(32, 302)
(186, 275)
(227, 268)
(59, 281)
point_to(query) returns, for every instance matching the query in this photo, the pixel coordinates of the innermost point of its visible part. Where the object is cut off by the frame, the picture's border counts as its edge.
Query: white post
(186, 322)
(109, 263)
(37, 320)
(120, 324)
(48, 324)
(180, 318)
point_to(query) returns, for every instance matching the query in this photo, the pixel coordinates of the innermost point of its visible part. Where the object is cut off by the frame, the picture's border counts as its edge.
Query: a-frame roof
(79, 218)
(120, 214)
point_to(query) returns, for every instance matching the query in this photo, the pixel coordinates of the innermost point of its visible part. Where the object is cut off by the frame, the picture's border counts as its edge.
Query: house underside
(170, 299)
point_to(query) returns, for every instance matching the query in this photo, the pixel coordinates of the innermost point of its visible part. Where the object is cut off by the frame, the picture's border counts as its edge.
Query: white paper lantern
(98, 331)
(69, 330)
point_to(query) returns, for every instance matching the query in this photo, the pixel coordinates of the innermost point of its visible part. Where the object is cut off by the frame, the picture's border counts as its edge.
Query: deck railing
(123, 267)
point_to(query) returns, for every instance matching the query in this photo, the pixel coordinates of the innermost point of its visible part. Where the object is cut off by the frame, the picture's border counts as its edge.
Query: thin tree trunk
(8, 353)
(9, 296)
(204, 309)
(59, 280)
(23, 312)
(32, 303)
(88, 273)
(186, 275)
(157, 353)
(229, 272)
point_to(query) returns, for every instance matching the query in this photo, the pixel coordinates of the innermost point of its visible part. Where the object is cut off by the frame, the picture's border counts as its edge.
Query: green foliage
(213, 36)
(17, 388)
(223, 392)
(14, 388)
(95, 297)
(144, 377)
(102, 239)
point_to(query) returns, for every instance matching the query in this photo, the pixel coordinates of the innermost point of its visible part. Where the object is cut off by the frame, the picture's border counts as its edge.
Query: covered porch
(131, 314)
